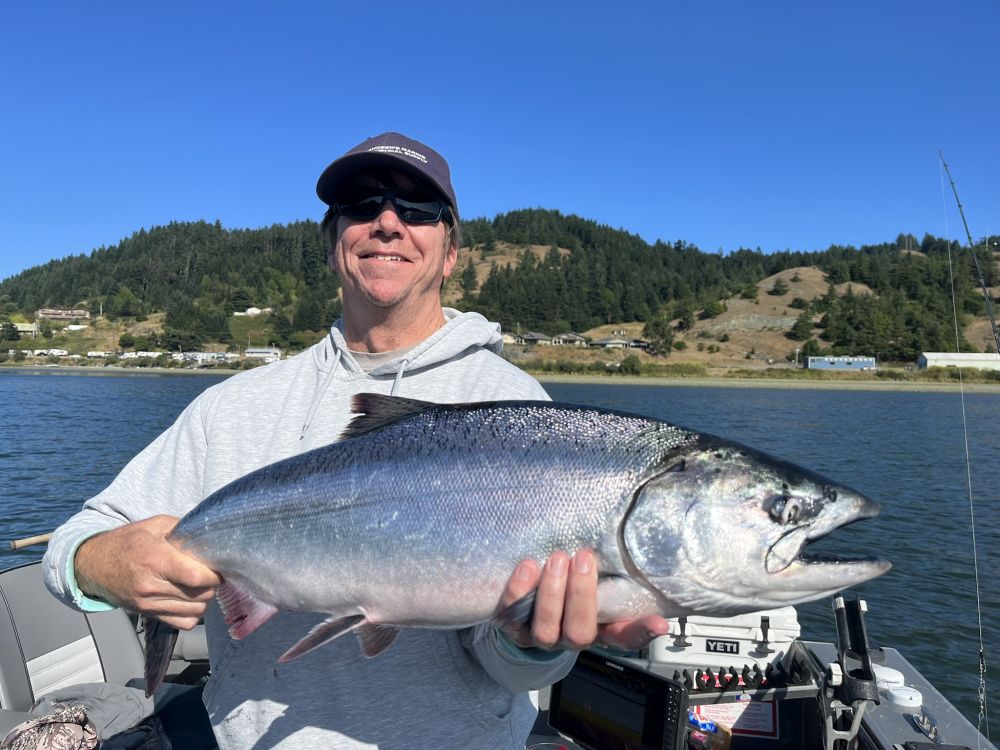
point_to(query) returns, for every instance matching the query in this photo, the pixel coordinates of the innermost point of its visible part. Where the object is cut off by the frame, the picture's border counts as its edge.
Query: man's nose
(387, 218)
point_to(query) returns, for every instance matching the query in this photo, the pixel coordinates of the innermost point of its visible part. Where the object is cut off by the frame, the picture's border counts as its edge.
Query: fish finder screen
(601, 706)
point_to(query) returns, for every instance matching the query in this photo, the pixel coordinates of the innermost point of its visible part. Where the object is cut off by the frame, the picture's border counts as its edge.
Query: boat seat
(45, 645)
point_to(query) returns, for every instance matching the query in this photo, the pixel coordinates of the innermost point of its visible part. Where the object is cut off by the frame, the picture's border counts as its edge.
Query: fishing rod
(975, 259)
(983, 708)
(16, 544)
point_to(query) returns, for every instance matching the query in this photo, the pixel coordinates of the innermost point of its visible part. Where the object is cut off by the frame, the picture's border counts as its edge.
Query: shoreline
(628, 380)
(770, 382)
(110, 370)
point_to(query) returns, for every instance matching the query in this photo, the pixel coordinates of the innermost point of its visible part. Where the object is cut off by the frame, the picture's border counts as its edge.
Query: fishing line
(983, 712)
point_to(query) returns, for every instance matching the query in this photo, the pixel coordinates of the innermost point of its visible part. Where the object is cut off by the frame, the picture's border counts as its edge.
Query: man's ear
(450, 258)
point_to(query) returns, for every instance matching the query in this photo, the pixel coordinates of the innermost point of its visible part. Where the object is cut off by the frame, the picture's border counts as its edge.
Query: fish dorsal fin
(332, 627)
(375, 410)
(376, 638)
(243, 611)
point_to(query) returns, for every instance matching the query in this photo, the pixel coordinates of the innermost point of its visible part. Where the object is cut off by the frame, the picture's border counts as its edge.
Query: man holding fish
(393, 230)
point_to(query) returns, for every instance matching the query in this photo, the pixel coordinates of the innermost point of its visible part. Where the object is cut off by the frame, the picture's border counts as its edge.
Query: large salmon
(419, 516)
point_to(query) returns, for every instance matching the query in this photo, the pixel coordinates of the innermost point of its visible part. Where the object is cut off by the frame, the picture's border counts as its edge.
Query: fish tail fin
(160, 640)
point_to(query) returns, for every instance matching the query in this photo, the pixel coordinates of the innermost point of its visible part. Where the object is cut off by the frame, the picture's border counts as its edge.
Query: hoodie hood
(460, 332)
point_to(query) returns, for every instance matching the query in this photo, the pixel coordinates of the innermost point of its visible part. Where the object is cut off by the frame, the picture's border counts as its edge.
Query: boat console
(750, 683)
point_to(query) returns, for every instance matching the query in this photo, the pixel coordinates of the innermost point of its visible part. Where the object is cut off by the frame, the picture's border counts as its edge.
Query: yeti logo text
(722, 647)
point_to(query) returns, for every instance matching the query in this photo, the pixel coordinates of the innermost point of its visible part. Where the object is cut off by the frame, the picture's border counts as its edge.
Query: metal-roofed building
(852, 364)
(954, 359)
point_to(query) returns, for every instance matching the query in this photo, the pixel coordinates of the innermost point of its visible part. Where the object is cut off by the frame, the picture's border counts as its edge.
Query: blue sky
(725, 124)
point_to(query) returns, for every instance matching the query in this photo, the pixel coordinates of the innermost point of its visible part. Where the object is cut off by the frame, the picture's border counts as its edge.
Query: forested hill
(199, 273)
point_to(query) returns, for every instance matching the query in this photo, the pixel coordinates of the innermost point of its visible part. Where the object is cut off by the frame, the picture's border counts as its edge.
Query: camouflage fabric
(66, 729)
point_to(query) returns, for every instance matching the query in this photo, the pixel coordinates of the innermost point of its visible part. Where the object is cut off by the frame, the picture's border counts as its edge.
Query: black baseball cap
(392, 150)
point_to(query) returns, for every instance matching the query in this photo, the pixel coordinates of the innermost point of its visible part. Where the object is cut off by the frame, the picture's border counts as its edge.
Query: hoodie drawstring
(329, 378)
(319, 394)
(399, 376)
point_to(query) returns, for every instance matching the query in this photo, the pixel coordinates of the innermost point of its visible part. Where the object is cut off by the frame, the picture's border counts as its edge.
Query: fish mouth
(801, 569)
(825, 574)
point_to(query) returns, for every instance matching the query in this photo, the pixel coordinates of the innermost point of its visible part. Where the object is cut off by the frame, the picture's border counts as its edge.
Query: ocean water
(64, 436)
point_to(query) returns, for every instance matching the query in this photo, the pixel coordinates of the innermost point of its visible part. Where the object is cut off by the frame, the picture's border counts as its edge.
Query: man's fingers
(522, 583)
(189, 574)
(579, 626)
(633, 634)
(546, 627)
(181, 623)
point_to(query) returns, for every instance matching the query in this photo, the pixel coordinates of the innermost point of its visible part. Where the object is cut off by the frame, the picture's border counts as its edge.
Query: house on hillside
(853, 364)
(253, 312)
(533, 338)
(614, 342)
(953, 359)
(55, 313)
(569, 339)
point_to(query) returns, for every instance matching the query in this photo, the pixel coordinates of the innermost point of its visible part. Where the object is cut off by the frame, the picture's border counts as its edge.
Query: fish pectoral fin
(375, 639)
(330, 628)
(518, 615)
(243, 611)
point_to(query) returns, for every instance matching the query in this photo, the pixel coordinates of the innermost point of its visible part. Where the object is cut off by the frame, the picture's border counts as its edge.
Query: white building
(141, 355)
(268, 354)
(613, 342)
(569, 339)
(953, 359)
(253, 312)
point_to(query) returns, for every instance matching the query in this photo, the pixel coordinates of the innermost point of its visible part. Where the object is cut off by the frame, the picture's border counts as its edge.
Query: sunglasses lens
(361, 203)
(365, 203)
(418, 208)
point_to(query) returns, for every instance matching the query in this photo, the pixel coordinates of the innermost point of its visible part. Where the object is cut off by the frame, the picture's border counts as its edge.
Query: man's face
(384, 262)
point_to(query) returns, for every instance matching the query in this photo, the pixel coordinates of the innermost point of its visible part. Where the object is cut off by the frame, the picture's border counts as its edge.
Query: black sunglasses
(413, 207)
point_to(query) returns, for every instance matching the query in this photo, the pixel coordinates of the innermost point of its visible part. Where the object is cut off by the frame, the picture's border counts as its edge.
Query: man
(394, 234)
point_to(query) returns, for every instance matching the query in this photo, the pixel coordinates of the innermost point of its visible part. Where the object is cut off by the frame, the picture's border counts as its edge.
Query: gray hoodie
(432, 688)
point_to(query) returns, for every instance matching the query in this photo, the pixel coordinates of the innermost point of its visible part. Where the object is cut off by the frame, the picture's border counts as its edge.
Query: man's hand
(136, 568)
(566, 607)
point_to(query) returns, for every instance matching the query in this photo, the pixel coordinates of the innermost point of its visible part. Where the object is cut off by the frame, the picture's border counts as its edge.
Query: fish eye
(785, 509)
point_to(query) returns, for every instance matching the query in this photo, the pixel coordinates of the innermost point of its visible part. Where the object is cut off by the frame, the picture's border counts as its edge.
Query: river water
(64, 436)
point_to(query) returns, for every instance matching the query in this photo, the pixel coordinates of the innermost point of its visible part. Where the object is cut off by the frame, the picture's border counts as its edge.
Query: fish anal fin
(330, 628)
(376, 638)
(374, 410)
(243, 611)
